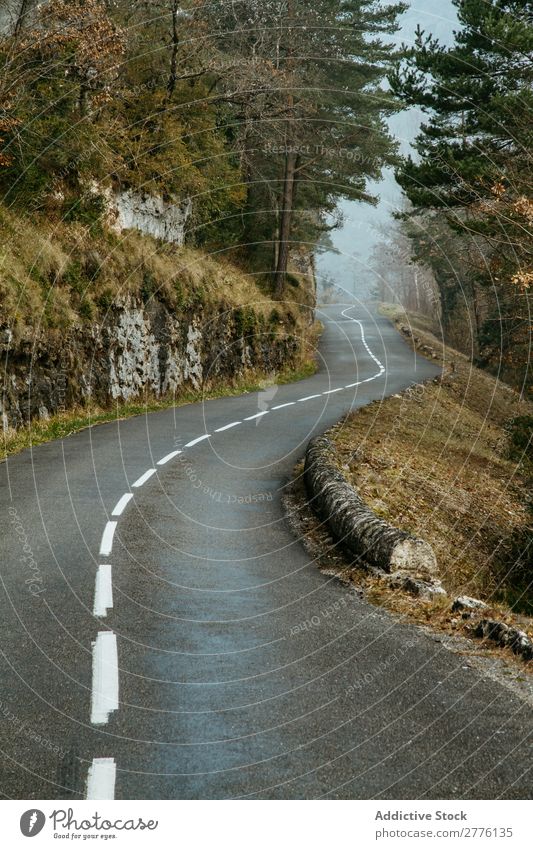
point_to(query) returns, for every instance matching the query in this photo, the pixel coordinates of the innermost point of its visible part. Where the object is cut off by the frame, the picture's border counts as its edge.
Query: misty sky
(354, 241)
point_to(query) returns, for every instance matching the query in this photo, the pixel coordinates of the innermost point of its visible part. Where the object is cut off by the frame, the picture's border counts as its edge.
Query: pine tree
(305, 84)
(475, 156)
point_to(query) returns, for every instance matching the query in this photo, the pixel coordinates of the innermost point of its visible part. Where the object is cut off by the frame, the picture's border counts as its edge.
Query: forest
(262, 113)
(469, 183)
(262, 116)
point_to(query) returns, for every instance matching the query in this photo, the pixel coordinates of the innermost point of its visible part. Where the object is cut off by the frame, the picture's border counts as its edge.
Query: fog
(346, 262)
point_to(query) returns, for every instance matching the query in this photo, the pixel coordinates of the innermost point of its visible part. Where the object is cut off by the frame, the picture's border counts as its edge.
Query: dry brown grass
(436, 462)
(54, 274)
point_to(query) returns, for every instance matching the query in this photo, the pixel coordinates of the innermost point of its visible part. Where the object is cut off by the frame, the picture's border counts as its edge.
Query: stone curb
(375, 544)
(361, 533)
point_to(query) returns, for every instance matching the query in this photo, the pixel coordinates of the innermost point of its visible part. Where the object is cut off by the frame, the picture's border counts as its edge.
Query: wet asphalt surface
(243, 671)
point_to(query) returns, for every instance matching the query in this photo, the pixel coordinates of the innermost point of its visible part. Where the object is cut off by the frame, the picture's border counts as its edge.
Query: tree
(402, 273)
(475, 158)
(91, 44)
(306, 82)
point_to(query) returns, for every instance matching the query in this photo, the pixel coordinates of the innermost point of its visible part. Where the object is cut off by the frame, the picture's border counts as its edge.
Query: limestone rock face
(150, 214)
(136, 350)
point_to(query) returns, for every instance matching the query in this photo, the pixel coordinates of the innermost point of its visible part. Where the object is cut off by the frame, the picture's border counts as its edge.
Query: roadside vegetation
(222, 104)
(470, 222)
(450, 461)
(56, 274)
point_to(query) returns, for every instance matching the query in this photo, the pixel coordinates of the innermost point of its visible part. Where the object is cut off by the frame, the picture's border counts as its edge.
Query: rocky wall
(136, 350)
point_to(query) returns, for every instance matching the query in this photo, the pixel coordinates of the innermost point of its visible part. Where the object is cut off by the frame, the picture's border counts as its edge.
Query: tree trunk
(173, 75)
(285, 223)
(287, 203)
(83, 98)
(477, 320)
(23, 11)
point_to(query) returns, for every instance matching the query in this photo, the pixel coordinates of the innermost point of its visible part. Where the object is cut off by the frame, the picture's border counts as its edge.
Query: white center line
(365, 343)
(104, 695)
(106, 546)
(196, 441)
(331, 391)
(309, 398)
(168, 458)
(142, 480)
(122, 504)
(351, 385)
(257, 416)
(101, 779)
(103, 593)
(227, 427)
(281, 406)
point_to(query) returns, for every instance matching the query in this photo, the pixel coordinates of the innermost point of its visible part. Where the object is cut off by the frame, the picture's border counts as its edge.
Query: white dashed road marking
(227, 427)
(103, 593)
(122, 504)
(106, 546)
(104, 695)
(257, 416)
(101, 779)
(142, 480)
(168, 458)
(363, 339)
(199, 439)
(105, 682)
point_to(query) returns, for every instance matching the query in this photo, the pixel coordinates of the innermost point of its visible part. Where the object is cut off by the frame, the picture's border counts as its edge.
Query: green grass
(65, 424)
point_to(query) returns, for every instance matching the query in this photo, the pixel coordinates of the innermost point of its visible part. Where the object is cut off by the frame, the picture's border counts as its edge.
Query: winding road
(164, 635)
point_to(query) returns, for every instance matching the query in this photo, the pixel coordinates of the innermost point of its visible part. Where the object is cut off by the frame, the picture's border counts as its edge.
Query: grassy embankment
(450, 463)
(60, 276)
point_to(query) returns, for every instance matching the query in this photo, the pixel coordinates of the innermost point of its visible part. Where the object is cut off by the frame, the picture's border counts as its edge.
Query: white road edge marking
(257, 416)
(142, 480)
(122, 504)
(101, 779)
(281, 406)
(168, 458)
(227, 427)
(103, 592)
(104, 695)
(106, 546)
(196, 441)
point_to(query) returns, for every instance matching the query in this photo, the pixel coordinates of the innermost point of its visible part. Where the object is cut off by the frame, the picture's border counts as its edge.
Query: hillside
(97, 323)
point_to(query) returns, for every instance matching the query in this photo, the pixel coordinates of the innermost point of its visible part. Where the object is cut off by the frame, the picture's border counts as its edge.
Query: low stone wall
(352, 523)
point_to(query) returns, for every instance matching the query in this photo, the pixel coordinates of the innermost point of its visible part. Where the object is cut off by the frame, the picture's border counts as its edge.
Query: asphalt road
(225, 664)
